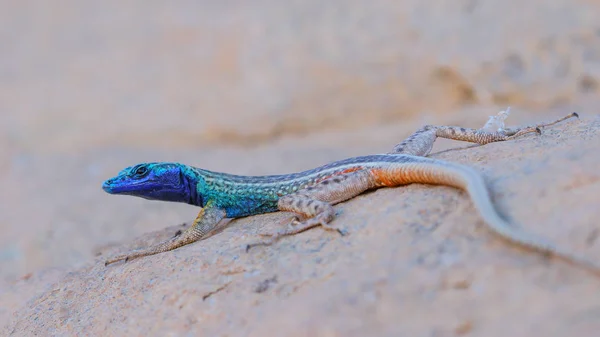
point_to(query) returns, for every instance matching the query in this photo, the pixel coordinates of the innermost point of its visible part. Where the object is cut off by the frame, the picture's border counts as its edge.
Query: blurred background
(260, 87)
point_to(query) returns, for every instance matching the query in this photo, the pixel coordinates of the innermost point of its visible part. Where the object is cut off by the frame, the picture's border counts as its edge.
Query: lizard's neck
(190, 194)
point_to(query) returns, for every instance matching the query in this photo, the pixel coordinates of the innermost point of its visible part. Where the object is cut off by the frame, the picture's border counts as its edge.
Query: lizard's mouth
(113, 187)
(108, 187)
(118, 185)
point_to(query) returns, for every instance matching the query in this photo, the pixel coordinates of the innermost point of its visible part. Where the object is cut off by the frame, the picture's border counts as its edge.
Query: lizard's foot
(529, 129)
(206, 222)
(181, 238)
(496, 124)
(319, 220)
(177, 241)
(512, 133)
(294, 227)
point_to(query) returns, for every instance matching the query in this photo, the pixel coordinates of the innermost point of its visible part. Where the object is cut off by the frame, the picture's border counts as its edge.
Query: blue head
(156, 181)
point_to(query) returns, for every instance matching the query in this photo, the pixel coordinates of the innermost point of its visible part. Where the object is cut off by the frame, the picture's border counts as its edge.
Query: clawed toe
(115, 259)
(329, 227)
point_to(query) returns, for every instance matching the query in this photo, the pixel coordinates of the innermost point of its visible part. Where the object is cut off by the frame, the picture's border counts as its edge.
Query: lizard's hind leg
(421, 142)
(316, 203)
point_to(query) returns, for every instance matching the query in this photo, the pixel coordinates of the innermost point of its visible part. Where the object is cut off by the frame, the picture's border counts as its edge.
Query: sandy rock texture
(279, 86)
(418, 262)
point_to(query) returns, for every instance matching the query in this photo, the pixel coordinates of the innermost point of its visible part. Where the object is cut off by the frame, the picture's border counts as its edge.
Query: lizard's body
(312, 193)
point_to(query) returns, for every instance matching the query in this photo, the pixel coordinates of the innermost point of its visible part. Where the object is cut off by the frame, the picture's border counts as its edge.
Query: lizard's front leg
(316, 203)
(205, 223)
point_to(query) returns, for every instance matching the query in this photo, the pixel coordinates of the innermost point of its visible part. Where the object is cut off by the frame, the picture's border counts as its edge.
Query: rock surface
(88, 88)
(419, 261)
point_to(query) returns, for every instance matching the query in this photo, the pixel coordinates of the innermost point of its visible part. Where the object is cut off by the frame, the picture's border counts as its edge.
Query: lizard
(311, 194)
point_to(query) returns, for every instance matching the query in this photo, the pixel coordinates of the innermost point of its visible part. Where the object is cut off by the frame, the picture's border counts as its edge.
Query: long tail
(476, 187)
(468, 179)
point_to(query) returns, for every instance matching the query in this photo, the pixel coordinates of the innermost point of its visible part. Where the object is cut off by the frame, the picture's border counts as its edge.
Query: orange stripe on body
(383, 178)
(396, 176)
(346, 171)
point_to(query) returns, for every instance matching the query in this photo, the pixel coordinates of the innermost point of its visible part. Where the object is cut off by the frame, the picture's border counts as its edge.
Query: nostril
(106, 185)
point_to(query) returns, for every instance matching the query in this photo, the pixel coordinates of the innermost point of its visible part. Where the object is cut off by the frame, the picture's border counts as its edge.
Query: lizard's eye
(140, 171)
